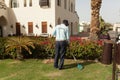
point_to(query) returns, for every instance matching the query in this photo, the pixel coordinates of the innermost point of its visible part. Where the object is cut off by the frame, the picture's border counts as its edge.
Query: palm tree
(94, 27)
(17, 44)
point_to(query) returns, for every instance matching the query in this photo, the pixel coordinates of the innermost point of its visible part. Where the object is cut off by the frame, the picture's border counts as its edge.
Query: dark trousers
(60, 50)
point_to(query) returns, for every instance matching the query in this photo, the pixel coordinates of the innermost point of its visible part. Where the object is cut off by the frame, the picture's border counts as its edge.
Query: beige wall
(72, 17)
(37, 15)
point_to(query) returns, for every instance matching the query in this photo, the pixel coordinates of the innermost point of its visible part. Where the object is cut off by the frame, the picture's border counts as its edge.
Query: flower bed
(80, 48)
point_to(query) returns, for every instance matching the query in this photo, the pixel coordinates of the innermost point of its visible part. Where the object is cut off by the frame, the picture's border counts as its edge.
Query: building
(116, 26)
(115, 32)
(84, 26)
(35, 17)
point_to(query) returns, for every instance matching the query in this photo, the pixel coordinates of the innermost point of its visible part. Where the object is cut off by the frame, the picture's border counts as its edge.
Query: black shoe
(55, 67)
(60, 68)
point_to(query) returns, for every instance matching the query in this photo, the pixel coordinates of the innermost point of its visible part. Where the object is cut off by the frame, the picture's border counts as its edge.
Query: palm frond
(19, 43)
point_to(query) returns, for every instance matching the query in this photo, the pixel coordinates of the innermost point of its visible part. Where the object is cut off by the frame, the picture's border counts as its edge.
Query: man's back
(61, 32)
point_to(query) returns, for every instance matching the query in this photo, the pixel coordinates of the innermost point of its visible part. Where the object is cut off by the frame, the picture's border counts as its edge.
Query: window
(25, 3)
(14, 4)
(59, 2)
(44, 27)
(71, 7)
(71, 28)
(30, 27)
(65, 4)
(59, 21)
(30, 3)
(44, 3)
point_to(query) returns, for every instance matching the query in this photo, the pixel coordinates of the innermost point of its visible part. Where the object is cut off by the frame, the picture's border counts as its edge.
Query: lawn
(36, 69)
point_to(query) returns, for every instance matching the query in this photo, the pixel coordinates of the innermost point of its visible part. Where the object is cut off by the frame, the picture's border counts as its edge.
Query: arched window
(3, 22)
(14, 4)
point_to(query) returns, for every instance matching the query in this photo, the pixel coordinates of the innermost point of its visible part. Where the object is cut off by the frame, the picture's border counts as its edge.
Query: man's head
(65, 22)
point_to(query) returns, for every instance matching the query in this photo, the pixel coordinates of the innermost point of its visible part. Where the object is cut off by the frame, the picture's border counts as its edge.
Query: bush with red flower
(80, 48)
(84, 48)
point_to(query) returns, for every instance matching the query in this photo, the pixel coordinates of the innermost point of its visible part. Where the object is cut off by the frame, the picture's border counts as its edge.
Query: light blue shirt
(61, 32)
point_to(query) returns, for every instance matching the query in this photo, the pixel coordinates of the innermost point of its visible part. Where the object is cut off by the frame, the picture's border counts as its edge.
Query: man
(61, 33)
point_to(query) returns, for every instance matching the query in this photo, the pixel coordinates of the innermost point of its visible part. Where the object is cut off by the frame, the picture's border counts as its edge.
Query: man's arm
(54, 32)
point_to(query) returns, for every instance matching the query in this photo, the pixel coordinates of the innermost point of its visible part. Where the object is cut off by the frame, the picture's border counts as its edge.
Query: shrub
(2, 47)
(14, 46)
(84, 49)
(49, 45)
(80, 48)
(44, 47)
(40, 49)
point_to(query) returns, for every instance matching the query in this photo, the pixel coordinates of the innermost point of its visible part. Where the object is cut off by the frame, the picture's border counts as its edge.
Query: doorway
(3, 24)
(18, 33)
(71, 28)
(1, 32)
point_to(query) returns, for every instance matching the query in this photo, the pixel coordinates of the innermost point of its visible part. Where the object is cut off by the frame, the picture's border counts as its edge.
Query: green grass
(33, 69)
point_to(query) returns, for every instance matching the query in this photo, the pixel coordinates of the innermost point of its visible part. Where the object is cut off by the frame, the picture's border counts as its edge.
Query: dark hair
(65, 22)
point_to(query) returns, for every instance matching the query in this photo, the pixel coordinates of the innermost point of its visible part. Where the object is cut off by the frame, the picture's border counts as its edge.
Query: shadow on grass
(83, 64)
(68, 66)
(87, 63)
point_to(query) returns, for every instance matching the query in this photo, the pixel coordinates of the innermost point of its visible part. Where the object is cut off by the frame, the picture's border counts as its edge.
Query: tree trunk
(94, 27)
(19, 54)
